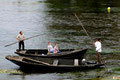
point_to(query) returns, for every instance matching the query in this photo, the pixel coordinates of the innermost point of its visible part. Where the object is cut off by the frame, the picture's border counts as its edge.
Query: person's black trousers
(21, 43)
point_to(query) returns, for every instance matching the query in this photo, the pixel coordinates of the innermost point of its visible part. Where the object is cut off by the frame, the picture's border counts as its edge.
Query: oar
(25, 39)
(87, 34)
(41, 62)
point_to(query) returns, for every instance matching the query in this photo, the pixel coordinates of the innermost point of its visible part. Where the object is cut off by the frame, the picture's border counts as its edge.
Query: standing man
(98, 50)
(21, 39)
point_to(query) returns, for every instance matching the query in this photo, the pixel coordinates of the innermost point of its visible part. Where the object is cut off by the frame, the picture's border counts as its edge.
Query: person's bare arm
(17, 39)
(48, 52)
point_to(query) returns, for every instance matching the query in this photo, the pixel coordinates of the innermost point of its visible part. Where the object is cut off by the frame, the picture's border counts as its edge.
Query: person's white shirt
(50, 48)
(21, 37)
(98, 46)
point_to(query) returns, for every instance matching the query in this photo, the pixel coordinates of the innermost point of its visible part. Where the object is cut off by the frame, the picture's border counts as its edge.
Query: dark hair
(98, 39)
(20, 32)
(49, 42)
(56, 43)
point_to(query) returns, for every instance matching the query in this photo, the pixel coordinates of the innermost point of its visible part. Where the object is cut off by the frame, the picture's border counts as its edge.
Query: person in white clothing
(21, 39)
(98, 46)
(50, 48)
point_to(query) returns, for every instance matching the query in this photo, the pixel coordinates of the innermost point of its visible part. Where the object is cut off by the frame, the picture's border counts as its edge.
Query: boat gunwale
(54, 54)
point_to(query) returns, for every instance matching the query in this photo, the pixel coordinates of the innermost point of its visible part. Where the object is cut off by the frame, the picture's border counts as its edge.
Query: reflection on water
(55, 19)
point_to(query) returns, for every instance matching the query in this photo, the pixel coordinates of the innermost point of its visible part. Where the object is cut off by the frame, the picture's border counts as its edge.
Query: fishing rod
(25, 39)
(88, 35)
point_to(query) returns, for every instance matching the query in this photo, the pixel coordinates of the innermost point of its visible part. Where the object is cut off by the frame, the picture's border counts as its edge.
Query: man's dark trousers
(21, 43)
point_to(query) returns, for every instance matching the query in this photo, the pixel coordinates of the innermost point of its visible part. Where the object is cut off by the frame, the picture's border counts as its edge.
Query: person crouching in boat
(98, 50)
(56, 50)
(21, 39)
(50, 48)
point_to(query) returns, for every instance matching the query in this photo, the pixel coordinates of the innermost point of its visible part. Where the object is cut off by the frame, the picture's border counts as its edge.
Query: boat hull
(35, 65)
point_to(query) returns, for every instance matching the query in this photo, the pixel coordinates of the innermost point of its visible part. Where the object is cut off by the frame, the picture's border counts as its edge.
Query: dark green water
(55, 19)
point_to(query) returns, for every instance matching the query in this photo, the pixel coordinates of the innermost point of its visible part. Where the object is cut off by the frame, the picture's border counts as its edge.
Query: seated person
(50, 48)
(56, 50)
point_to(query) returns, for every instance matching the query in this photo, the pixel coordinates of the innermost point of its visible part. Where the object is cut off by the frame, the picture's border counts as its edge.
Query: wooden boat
(65, 53)
(51, 63)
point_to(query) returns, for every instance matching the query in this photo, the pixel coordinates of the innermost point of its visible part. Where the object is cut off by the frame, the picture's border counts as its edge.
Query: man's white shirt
(20, 37)
(98, 46)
